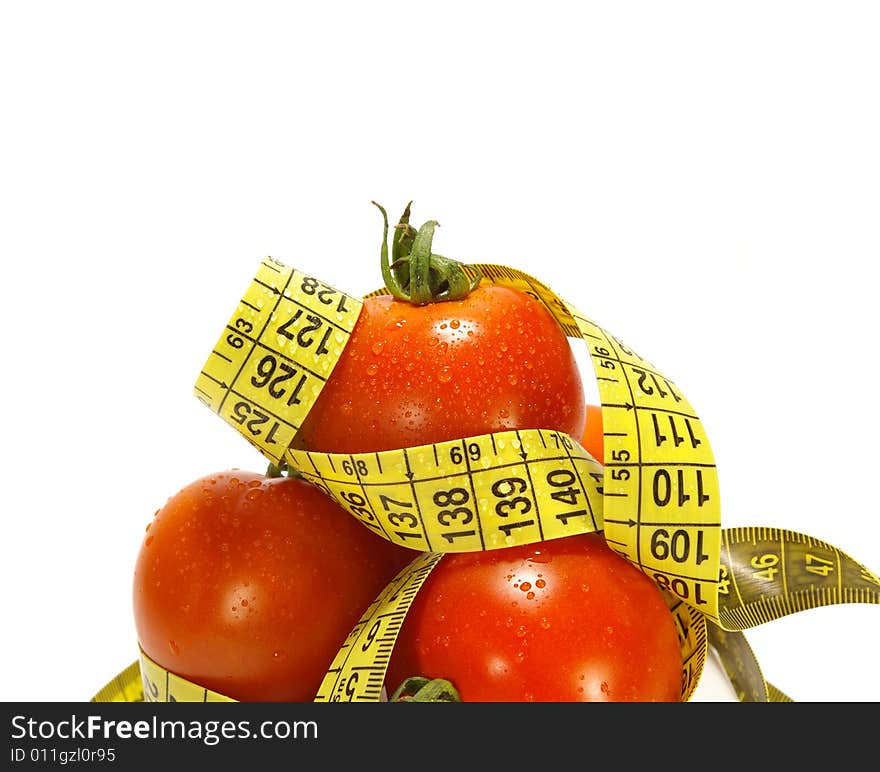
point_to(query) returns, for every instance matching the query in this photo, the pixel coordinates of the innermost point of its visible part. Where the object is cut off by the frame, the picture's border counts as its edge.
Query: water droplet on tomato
(445, 375)
(545, 623)
(253, 494)
(454, 324)
(175, 649)
(525, 586)
(377, 347)
(605, 688)
(372, 369)
(148, 527)
(148, 541)
(512, 379)
(504, 413)
(540, 583)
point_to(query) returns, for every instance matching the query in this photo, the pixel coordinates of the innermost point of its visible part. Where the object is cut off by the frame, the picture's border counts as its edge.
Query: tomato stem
(417, 275)
(282, 469)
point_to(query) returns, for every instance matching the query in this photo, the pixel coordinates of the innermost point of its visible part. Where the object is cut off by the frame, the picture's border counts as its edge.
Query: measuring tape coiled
(275, 355)
(656, 498)
(478, 493)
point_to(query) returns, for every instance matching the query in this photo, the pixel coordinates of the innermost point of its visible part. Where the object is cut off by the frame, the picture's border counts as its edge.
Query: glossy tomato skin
(413, 375)
(248, 585)
(593, 439)
(566, 620)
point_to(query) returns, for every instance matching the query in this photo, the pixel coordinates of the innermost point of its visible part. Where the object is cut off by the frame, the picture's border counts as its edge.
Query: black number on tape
(677, 545)
(266, 376)
(301, 337)
(255, 421)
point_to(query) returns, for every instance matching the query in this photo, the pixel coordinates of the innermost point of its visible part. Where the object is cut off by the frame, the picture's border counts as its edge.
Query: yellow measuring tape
(656, 498)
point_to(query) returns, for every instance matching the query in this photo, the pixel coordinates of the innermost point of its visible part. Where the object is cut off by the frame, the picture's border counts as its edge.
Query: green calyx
(421, 689)
(282, 469)
(415, 274)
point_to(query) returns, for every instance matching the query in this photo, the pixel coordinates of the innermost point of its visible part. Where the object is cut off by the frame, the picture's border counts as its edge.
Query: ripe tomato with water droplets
(593, 438)
(566, 620)
(248, 584)
(443, 357)
(413, 375)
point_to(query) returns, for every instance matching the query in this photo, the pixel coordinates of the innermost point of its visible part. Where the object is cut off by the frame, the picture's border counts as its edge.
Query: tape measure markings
(410, 475)
(124, 687)
(690, 625)
(629, 484)
(274, 382)
(470, 480)
(257, 317)
(370, 643)
(531, 486)
(483, 492)
(242, 330)
(366, 498)
(656, 499)
(378, 626)
(318, 312)
(598, 478)
(161, 685)
(770, 573)
(726, 580)
(740, 664)
(644, 394)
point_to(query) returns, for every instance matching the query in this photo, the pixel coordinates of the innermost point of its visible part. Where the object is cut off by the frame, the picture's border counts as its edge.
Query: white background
(700, 178)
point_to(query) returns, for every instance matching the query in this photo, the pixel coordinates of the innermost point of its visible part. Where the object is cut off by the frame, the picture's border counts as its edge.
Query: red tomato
(561, 621)
(412, 375)
(248, 585)
(593, 440)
